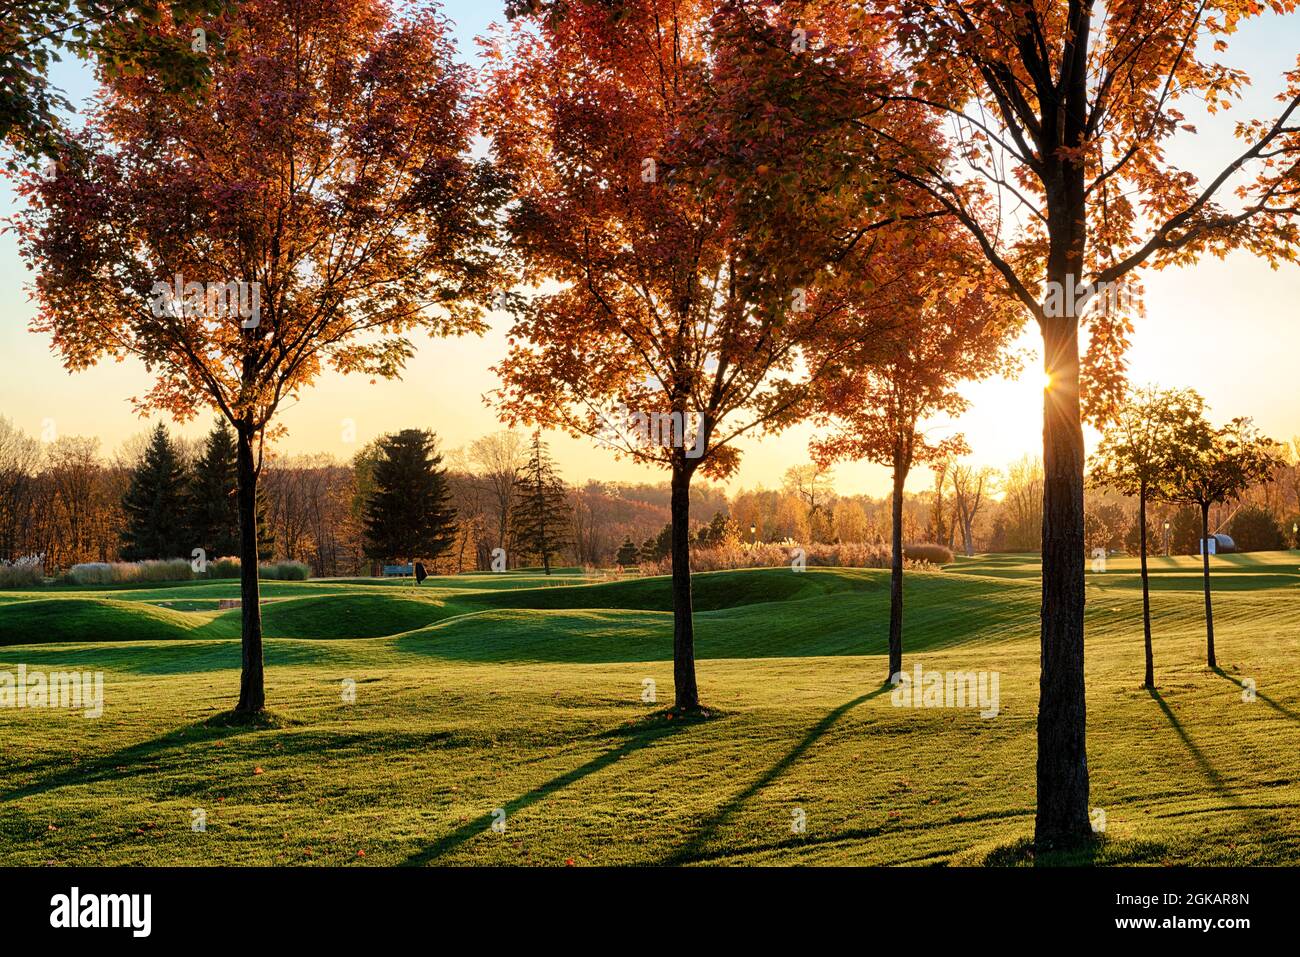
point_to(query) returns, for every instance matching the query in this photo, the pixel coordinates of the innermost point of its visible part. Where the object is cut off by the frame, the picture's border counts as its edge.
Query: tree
(116, 33)
(499, 458)
(155, 503)
(408, 515)
(541, 513)
(947, 329)
(1185, 532)
(1137, 456)
(1213, 466)
(320, 187)
(721, 530)
(627, 553)
(212, 499)
(969, 488)
(20, 457)
(1254, 529)
(1062, 117)
(814, 484)
(687, 272)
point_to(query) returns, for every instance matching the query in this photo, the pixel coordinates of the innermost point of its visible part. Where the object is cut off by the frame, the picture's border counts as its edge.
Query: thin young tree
(310, 209)
(950, 328)
(1137, 456)
(540, 517)
(1213, 466)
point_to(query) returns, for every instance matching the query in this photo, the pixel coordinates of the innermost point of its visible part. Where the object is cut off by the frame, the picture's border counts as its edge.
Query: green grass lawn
(521, 693)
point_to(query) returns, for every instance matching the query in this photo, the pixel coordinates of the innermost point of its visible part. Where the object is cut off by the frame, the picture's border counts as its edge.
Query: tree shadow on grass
(637, 734)
(1257, 821)
(1280, 709)
(694, 848)
(135, 759)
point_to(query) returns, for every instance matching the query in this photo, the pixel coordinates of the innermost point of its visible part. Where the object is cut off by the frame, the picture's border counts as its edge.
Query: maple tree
(310, 209)
(1059, 117)
(1138, 455)
(1066, 112)
(116, 34)
(690, 256)
(930, 320)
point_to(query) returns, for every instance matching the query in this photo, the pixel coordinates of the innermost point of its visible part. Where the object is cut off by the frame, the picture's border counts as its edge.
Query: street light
(1166, 539)
(753, 532)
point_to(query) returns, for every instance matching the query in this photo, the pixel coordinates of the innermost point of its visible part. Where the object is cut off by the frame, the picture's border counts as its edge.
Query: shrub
(285, 571)
(23, 573)
(113, 573)
(770, 555)
(228, 567)
(928, 552)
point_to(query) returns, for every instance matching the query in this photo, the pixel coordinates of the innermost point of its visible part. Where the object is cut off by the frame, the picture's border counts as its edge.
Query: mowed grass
(515, 693)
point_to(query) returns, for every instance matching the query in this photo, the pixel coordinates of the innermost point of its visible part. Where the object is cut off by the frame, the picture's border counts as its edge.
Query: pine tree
(540, 516)
(154, 504)
(627, 552)
(212, 507)
(408, 515)
(212, 504)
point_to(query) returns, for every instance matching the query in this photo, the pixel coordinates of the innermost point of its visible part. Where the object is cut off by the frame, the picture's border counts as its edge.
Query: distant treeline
(66, 501)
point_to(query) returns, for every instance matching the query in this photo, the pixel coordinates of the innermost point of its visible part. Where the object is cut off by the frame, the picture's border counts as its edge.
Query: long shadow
(694, 847)
(1280, 709)
(1257, 821)
(636, 740)
(125, 762)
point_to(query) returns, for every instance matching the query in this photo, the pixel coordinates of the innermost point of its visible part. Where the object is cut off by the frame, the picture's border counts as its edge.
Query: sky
(1228, 328)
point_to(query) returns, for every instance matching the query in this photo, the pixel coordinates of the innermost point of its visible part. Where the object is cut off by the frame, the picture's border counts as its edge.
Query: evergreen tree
(154, 504)
(212, 507)
(212, 503)
(540, 516)
(627, 552)
(408, 515)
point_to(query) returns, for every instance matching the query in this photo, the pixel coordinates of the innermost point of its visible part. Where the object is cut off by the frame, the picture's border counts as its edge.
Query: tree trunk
(1150, 680)
(1062, 773)
(252, 692)
(896, 570)
(686, 693)
(1205, 570)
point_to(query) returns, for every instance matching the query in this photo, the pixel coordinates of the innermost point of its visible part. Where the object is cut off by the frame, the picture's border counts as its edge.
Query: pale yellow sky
(1230, 329)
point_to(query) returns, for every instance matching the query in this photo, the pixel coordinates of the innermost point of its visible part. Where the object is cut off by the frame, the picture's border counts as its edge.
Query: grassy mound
(90, 619)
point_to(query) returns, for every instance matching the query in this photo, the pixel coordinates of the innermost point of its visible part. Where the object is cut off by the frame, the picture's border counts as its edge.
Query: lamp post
(1295, 534)
(753, 532)
(1166, 539)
